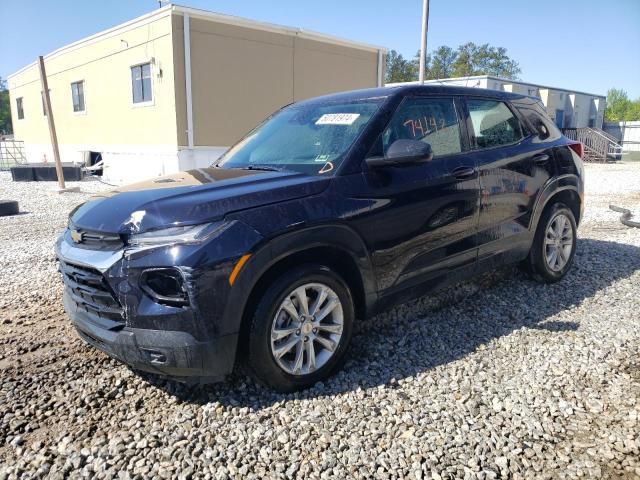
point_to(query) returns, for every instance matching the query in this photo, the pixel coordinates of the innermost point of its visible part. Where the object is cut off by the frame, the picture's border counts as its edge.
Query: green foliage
(467, 60)
(5, 108)
(620, 108)
(442, 62)
(471, 59)
(400, 69)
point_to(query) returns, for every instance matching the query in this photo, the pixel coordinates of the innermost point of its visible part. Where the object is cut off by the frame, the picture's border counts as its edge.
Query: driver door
(423, 222)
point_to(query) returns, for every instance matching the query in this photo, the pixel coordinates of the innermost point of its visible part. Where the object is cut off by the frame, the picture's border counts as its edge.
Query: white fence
(628, 134)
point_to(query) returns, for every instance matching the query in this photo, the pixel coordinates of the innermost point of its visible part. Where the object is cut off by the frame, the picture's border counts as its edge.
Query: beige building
(567, 108)
(173, 89)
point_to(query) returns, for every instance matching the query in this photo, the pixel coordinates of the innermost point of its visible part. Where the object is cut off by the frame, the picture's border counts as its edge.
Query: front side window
(493, 123)
(77, 96)
(19, 108)
(141, 83)
(308, 138)
(430, 120)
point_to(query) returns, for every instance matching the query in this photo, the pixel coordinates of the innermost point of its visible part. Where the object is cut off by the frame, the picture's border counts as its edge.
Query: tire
(8, 207)
(541, 264)
(272, 320)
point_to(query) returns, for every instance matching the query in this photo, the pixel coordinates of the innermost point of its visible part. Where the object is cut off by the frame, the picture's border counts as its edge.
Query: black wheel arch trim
(278, 248)
(555, 185)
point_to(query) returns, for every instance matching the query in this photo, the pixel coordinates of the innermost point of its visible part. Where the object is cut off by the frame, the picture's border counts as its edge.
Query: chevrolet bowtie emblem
(76, 236)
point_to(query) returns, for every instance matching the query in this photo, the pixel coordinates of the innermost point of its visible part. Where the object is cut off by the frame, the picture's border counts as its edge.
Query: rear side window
(493, 123)
(544, 128)
(429, 120)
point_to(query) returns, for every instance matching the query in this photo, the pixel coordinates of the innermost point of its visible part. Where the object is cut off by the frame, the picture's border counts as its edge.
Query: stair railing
(11, 154)
(599, 145)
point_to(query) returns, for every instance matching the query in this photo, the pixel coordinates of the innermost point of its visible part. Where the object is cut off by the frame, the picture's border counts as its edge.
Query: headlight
(174, 235)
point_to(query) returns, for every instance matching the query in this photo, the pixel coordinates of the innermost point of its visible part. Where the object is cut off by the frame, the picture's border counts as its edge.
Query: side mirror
(402, 152)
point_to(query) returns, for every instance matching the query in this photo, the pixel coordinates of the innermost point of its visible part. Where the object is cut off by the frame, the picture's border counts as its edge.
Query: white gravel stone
(497, 377)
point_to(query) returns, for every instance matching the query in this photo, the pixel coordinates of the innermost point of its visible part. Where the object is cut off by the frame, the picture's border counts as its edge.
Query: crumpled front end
(157, 308)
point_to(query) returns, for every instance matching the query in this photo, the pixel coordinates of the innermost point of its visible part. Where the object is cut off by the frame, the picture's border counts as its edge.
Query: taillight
(578, 148)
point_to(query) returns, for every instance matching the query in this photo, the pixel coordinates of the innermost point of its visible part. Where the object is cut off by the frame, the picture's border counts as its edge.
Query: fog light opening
(165, 286)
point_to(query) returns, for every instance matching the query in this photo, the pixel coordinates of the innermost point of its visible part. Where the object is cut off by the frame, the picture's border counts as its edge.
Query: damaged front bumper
(170, 353)
(110, 310)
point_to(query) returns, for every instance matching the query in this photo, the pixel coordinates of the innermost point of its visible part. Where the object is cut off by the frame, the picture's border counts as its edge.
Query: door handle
(463, 172)
(541, 158)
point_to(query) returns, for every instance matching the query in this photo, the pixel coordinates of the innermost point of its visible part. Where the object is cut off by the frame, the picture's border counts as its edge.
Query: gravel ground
(500, 377)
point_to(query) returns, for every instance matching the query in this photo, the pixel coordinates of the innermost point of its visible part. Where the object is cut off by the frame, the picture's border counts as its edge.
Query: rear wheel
(554, 244)
(300, 329)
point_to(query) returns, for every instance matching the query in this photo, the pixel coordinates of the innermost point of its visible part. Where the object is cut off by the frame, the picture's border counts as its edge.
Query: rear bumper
(173, 354)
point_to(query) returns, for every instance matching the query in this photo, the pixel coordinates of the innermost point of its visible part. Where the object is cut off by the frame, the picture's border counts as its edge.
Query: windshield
(312, 139)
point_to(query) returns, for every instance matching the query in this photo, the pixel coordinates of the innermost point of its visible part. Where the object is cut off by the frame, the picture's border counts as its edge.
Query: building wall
(627, 133)
(241, 75)
(111, 122)
(318, 67)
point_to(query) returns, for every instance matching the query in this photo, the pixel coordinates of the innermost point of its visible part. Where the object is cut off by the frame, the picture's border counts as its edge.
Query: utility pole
(423, 40)
(52, 125)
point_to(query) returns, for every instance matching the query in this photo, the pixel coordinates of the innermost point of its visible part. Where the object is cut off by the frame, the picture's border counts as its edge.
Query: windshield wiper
(266, 168)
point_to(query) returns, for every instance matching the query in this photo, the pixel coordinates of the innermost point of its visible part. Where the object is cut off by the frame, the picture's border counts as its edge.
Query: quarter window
(429, 120)
(493, 123)
(20, 108)
(77, 95)
(141, 83)
(545, 129)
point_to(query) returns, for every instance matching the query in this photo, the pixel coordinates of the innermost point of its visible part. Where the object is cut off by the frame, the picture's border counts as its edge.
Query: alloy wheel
(558, 242)
(306, 329)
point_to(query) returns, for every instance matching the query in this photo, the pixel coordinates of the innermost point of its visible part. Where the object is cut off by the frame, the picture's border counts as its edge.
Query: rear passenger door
(513, 167)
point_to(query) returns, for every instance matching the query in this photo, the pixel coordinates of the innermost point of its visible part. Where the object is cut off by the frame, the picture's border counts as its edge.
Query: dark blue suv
(329, 211)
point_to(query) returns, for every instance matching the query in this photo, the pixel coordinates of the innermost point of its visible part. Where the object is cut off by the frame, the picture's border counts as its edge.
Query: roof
(207, 15)
(505, 80)
(272, 27)
(412, 89)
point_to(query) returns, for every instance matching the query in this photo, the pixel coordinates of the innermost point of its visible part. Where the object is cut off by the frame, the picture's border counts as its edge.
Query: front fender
(278, 248)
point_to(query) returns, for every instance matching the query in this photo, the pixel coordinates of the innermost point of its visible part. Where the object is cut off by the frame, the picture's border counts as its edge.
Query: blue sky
(587, 45)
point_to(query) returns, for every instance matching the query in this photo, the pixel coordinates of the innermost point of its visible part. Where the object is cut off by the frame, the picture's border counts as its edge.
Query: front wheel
(301, 328)
(554, 244)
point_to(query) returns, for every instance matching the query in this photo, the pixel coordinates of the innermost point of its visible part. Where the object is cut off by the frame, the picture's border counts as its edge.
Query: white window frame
(148, 103)
(84, 97)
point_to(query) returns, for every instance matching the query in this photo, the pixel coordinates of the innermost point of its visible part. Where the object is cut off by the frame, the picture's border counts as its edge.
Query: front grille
(89, 290)
(99, 241)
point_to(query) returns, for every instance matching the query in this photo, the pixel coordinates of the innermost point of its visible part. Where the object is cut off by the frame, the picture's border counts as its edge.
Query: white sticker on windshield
(337, 119)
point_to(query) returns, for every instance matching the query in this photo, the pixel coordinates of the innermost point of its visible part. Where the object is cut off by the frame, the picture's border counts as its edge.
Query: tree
(620, 108)
(5, 108)
(399, 69)
(442, 62)
(633, 114)
(471, 59)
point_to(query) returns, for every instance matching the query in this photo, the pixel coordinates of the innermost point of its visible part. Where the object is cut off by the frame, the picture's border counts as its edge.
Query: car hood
(192, 197)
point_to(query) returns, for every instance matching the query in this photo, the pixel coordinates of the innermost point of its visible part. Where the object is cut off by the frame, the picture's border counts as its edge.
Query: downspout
(380, 68)
(187, 78)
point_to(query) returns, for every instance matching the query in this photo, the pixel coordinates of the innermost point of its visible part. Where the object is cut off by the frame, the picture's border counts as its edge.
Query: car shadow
(437, 329)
